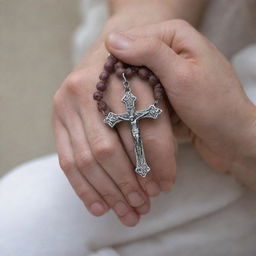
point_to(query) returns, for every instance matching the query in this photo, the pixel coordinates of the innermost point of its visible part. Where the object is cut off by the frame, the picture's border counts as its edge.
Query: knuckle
(151, 139)
(66, 163)
(103, 148)
(82, 192)
(75, 81)
(179, 23)
(108, 197)
(57, 100)
(125, 185)
(84, 161)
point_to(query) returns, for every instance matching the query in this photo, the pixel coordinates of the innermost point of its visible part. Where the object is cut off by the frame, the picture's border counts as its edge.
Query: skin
(99, 161)
(203, 89)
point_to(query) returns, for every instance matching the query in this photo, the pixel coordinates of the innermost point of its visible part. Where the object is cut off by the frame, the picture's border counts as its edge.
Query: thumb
(146, 51)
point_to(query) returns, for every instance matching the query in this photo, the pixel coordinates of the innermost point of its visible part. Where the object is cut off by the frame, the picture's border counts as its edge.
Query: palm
(183, 133)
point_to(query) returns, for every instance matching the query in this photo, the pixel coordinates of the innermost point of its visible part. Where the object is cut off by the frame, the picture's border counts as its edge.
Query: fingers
(110, 154)
(143, 51)
(92, 200)
(174, 33)
(164, 48)
(67, 104)
(97, 176)
(86, 171)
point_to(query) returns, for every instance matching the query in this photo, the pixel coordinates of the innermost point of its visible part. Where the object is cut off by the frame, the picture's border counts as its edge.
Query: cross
(132, 116)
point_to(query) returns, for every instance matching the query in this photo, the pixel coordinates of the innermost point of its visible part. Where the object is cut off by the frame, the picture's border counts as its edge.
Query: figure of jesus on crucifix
(132, 116)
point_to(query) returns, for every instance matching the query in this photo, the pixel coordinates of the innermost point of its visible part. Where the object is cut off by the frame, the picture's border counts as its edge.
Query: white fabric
(94, 15)
(206, 213)
(245, 66)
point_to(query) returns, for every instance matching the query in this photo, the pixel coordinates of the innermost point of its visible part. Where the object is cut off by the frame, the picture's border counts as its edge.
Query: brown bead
(158, 95)
(104, 75)
(109, 66)
(134, 69)
(101, 86)
(119, 72)
(158, 85)
(128, 73)
(98, 95)
(102, 106)
(119, 65)
(143, 73)
(112, 58)
(158, 92)
(153, 80)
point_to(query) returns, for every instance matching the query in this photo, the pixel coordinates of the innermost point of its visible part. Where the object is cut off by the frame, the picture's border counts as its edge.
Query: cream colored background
(35, 51)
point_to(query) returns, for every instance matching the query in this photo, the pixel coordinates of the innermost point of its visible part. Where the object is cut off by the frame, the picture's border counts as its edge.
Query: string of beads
(113, 65)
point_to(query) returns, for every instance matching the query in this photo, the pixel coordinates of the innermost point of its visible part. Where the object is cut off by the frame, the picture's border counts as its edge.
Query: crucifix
(132, 116)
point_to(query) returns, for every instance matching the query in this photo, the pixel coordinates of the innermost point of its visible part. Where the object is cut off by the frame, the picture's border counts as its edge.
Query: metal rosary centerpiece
(133, 116)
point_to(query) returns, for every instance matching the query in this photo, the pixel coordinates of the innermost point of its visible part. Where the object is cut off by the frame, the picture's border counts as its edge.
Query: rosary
(124, 72)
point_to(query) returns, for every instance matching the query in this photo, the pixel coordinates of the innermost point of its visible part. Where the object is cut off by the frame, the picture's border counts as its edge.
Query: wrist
(188, 10)
(134, 15)
(124, 20)
(133, 18)
(118, 6)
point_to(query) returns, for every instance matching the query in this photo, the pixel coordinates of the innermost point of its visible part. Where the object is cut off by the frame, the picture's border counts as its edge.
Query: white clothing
(206, 213)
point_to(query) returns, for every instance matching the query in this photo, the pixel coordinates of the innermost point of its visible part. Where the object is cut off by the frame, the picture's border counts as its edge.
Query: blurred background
(35, 57)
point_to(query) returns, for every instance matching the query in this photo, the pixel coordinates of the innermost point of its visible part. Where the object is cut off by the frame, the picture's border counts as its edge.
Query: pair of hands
(201, 87)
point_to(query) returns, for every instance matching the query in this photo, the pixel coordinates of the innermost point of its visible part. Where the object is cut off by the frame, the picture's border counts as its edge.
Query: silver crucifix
(132, 116)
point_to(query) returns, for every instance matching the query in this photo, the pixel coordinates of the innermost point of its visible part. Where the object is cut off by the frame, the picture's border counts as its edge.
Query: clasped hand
(203, 92)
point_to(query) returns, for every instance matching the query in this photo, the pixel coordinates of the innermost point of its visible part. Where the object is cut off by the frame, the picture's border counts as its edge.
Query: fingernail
(131, 219)
(135, 199)
(152, 188)
(120, 209)
(165, 185)
(97, 208)
(119, 41)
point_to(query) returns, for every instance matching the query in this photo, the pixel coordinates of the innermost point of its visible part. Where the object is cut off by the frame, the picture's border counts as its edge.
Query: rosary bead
(119, 68)
(119, 65)
(109, 66)
(158, 92)
(104, 76)
(134, 69)
(143, 73)
(158, 95)
(98, 95)
(101, 86)
(153, 80)
(158, 85)
(128, 73)
(112, 58)
(102, 106)
(119, 72)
